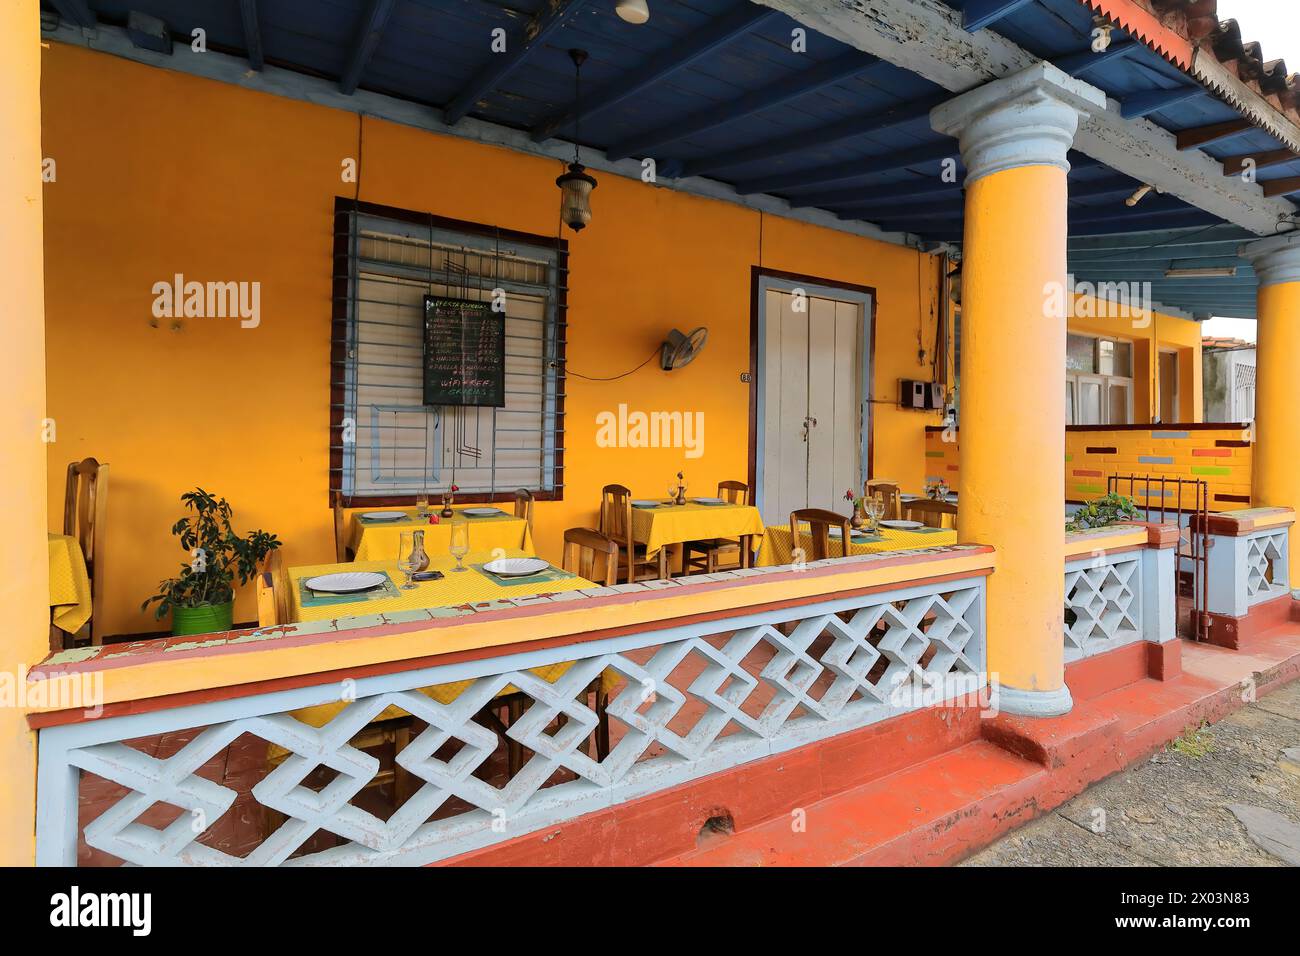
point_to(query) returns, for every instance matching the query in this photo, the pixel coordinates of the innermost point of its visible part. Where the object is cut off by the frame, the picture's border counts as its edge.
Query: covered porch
(914, 265)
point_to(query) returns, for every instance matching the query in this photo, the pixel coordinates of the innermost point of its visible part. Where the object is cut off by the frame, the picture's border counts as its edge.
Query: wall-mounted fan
(680, 348)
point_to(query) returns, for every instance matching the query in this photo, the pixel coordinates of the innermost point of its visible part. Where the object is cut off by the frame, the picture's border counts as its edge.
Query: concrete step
(929, 813)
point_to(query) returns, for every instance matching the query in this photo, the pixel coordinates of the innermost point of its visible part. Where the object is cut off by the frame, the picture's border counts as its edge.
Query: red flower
(848, 495)
(433, 519)
(455, 488)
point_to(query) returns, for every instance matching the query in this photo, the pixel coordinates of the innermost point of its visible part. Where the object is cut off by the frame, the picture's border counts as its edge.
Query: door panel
(793, 462)
(1168, 373)
(848, 401)
(812, 425)
(822, 436)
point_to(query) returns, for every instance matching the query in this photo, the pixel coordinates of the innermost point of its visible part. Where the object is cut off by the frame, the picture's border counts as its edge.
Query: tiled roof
(1198, 21)
(1224, 342)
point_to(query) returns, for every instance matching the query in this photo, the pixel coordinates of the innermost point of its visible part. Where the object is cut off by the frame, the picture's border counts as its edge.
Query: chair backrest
(616, 514)
(524, 506)
(85, 508)
(591, 555)
(932, 514)
(819, 522)
(340, 527)
(273, 592)
(888, 491)
(735, 492)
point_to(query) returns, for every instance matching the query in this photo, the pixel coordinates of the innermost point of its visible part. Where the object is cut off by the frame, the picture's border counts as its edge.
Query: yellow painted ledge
(154, 669)
(1104, 539)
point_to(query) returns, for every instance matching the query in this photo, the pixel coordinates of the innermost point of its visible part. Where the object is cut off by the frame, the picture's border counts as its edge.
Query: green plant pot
(204, 619)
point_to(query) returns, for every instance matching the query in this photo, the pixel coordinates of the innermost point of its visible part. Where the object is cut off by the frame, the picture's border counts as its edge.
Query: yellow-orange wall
(160, 173)
(1167, 332)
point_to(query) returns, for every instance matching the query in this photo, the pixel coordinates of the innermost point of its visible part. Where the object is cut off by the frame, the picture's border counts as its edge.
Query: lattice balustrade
(1103, 597)
(1266, 570)
(687, 702)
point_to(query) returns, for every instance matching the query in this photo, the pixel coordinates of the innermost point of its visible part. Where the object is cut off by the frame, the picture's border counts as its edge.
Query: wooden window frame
(344, 208)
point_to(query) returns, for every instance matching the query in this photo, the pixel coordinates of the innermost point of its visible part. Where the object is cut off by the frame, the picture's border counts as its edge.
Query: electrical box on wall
(911, 393)
(920, 395)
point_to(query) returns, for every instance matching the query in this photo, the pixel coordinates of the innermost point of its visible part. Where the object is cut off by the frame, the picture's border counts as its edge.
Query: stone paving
(1226, 795)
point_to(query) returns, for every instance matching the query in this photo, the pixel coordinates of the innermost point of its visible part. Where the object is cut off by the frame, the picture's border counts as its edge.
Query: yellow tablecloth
(69, 583)
(674, 524)
(379, 541)
(466, 587)
(776, 543)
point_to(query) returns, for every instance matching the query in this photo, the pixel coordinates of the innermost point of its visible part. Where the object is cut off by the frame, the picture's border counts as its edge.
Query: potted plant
(1112, 509)
(201, 598)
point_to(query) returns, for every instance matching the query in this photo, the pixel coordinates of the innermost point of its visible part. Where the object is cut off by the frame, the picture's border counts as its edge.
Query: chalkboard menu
(464, 353)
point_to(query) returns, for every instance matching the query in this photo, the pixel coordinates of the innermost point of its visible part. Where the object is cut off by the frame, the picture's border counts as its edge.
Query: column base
(1034, 703)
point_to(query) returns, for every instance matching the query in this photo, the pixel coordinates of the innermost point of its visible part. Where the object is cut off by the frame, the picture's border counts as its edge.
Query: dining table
(660, 523)
(374, 539)
(777, 550)
(454, 593)
(70, 602)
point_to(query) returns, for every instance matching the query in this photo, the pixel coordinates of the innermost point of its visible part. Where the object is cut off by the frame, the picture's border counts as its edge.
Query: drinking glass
(422, 504)
(875, 511)
(672, 492)
(459, 543)
(406, 560)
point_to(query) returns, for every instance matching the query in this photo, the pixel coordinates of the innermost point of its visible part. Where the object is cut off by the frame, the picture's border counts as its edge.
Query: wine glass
(875, 511)
(672, 491)
(406, 558)
(459, 543)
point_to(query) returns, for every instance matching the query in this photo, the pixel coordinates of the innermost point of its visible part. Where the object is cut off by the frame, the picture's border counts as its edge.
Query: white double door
(814, 345)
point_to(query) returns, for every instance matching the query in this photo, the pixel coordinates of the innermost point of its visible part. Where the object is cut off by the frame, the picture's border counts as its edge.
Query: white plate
(384, 515)
(708, 501)
(516, 567)
(643, 503)
(902, 525)
(481, 512)
(345, 582)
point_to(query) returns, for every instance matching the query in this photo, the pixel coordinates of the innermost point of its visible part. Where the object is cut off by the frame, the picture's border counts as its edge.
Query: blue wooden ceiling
(713, 88)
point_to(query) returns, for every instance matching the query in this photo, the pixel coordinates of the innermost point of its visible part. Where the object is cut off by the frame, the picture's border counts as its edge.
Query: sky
(1275, 24)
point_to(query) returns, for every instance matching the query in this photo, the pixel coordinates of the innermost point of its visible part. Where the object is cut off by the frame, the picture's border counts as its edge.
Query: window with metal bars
(386, 446)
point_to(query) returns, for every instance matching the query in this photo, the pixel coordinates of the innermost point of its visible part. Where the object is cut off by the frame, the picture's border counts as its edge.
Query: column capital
(1276, 259)
(1026, 119)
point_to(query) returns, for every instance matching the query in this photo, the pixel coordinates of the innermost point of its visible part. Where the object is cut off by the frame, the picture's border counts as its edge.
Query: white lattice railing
(1266, 565)
(1248, 559)
(689, 700)
(1116, 597)
(1104, 595)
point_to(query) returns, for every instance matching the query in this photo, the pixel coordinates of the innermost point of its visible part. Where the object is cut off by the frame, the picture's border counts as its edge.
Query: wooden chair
(708, 555)
(819, 523)
(888, 491)
(341, 552)
(931, 513)
(616, 523)
(591, 555)
(524, 508)
(273, 593)
(85, 509)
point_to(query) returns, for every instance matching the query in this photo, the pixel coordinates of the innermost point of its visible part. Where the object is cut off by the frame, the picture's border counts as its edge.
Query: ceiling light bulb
(632, 11)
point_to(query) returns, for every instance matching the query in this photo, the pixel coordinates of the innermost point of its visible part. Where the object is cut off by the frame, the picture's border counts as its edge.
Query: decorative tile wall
(1219, 455)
